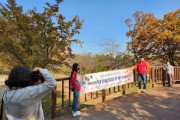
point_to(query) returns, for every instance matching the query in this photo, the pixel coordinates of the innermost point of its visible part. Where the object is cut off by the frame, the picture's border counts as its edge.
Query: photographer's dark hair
(19, 77)
(74, 68)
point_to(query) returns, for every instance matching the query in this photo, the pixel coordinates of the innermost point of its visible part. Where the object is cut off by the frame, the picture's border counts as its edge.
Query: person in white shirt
(23, 99)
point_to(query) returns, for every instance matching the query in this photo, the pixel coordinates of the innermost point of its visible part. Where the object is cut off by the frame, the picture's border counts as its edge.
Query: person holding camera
(22, 101)
(75, 87)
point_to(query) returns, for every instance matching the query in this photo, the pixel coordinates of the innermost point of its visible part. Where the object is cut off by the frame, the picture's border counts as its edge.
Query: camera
(36, 76)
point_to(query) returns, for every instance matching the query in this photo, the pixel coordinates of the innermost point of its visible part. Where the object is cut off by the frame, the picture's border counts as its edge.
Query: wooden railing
(176, 74)
(157, 75)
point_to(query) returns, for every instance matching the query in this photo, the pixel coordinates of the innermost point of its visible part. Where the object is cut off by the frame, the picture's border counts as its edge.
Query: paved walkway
(156, 104)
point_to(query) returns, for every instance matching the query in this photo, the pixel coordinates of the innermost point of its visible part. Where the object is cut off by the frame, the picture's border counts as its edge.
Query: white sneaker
(78, 113)
(73, 114)
(144, 90)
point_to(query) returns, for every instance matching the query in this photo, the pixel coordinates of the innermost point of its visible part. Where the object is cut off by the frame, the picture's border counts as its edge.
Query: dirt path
(156, 104)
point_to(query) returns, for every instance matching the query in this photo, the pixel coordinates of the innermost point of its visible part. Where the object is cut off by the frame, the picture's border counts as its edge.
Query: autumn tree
(31, 38)
(169, 37)
(155, 38)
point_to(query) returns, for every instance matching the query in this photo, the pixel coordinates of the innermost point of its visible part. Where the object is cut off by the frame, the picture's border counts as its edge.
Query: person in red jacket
(143, 73)
(75, 86)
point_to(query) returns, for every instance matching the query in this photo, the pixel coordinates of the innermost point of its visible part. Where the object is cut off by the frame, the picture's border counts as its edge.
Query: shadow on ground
(156, 104)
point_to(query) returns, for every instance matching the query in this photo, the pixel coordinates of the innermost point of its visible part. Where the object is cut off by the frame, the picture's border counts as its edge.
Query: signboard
(103, 80)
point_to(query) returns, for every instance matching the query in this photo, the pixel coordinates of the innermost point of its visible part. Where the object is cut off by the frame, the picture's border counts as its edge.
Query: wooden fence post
(173, 78)
(53, 102)
(135, 77)
(124, 89)
(164, 77)
(103, 95)
(153, 77)
(62, 93)
(69, 95)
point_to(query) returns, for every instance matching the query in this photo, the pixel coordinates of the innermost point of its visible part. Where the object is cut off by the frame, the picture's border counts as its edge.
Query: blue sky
(104, 19)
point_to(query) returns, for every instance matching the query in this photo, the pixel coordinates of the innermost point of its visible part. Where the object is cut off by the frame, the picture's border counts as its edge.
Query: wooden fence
(63, 94)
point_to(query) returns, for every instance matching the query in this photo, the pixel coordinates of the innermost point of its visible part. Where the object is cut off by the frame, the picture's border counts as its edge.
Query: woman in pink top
(75, 85)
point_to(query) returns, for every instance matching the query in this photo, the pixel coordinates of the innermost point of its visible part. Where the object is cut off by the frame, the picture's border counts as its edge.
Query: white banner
(103, 80)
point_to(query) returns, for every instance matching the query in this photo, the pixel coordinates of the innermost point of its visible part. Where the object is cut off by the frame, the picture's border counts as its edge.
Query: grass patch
(46, 104)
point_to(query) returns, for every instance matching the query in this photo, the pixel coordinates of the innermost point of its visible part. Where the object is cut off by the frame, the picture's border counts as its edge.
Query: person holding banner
(143, 73)
(75, 86)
